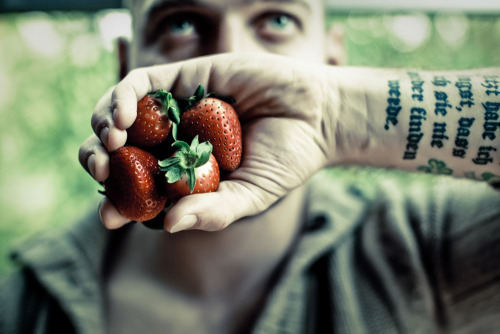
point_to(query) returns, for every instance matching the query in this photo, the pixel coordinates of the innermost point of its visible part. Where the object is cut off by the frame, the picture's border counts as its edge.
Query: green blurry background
(55, 66)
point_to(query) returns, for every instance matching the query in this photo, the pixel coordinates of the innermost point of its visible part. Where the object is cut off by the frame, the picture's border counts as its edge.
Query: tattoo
(491, 82)
(394, 104)
(491, 114)
(438, 134)
(417, 116)
(487, 176)
(491, 123)
(483, 156)
(440, 81)
(416, 86)
(464, 86)
(453, 99)
(436, 167)
(441, 103)
(461, 140)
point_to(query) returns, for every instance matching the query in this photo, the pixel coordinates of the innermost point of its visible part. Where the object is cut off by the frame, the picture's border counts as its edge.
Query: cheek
(149, 57)
(156, 55)
(310, 50)
(180, 52)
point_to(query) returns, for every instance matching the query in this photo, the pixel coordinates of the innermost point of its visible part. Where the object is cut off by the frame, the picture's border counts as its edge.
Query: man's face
(172, 30)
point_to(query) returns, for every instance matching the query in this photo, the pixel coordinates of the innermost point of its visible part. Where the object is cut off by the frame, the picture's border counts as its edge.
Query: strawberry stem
(186, 160)
(170, 108)
(187, 103)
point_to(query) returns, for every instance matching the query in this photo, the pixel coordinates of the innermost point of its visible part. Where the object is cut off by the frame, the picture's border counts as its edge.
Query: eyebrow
(179, 3)
(299, 2)
(172, 4)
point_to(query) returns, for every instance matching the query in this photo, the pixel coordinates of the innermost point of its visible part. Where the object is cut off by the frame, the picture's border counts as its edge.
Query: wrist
(347, 114)
(359, 96)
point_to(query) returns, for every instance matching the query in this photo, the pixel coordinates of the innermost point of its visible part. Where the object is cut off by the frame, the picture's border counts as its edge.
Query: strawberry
(157, 114)
(216, 121)
(192, 169)
(135, 184)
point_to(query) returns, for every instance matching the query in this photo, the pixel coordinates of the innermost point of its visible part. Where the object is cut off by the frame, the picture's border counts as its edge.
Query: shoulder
(55, 272)
(22, 302)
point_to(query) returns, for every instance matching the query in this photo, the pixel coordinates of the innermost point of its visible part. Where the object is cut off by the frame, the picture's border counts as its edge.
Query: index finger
(135, 86)
(180, 78)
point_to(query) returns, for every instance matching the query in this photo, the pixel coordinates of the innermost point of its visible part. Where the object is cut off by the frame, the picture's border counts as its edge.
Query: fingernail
(91, 165)
(104, 136)
(184, 223)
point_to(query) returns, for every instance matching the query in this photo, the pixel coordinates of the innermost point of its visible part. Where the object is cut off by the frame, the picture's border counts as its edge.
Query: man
(293, 252)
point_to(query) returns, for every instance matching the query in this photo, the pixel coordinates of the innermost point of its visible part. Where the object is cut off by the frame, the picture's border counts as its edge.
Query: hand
(288, 133)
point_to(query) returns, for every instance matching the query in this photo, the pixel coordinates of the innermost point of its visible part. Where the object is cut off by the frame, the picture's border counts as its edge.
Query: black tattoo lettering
(491, 82)
(417, 117)
(417, 86)
(483, 156)
(438, 135)
(394, 104)
(441, 103)
(464, 86)
(461, 140)
(440, 81)
(491, 115)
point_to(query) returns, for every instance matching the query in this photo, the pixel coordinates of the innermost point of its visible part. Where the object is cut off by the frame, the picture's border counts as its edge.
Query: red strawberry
(215, 121)
(192, 169)
(136, 185)
(156, 114)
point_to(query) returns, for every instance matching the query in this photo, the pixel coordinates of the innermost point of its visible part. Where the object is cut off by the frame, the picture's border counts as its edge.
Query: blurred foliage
(430, 42)
(48, 90)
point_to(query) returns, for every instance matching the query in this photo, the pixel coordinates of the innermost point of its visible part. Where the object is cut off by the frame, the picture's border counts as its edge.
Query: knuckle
(215, 222)
(98, 124)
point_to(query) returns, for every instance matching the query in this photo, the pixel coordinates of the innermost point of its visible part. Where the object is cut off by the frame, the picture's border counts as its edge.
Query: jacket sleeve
(25, 307)
(465, 255)
(434, 250)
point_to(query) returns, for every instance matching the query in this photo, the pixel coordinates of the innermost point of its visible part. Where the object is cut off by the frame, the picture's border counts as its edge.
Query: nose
(231, 36)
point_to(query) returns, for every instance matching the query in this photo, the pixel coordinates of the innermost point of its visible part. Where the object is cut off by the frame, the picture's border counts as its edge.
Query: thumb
(216, 210)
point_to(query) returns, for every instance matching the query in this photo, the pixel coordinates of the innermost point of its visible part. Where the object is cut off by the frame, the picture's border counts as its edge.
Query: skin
(184, 269)
(296, 107)
(298, 33)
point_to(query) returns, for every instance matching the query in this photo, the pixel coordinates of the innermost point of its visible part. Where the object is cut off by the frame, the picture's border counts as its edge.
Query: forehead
(142, 7)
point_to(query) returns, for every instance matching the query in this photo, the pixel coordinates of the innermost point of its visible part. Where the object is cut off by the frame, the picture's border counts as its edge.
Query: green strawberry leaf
(174, 173)
(168, 162)
(199, 93)
(170, 107)
(173, 111)
(163, 96)
(191, 179)
(174, 114)
(194, 144)
(187, 103)
(174, 131)
(203, 151)
(181, 145)
(186, 159)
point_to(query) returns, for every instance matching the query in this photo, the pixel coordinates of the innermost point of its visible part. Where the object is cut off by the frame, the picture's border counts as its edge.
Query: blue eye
(280, 21)
(277, 27)
(182, 27)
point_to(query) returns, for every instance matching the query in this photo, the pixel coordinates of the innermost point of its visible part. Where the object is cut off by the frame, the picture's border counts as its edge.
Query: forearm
(437, 122)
